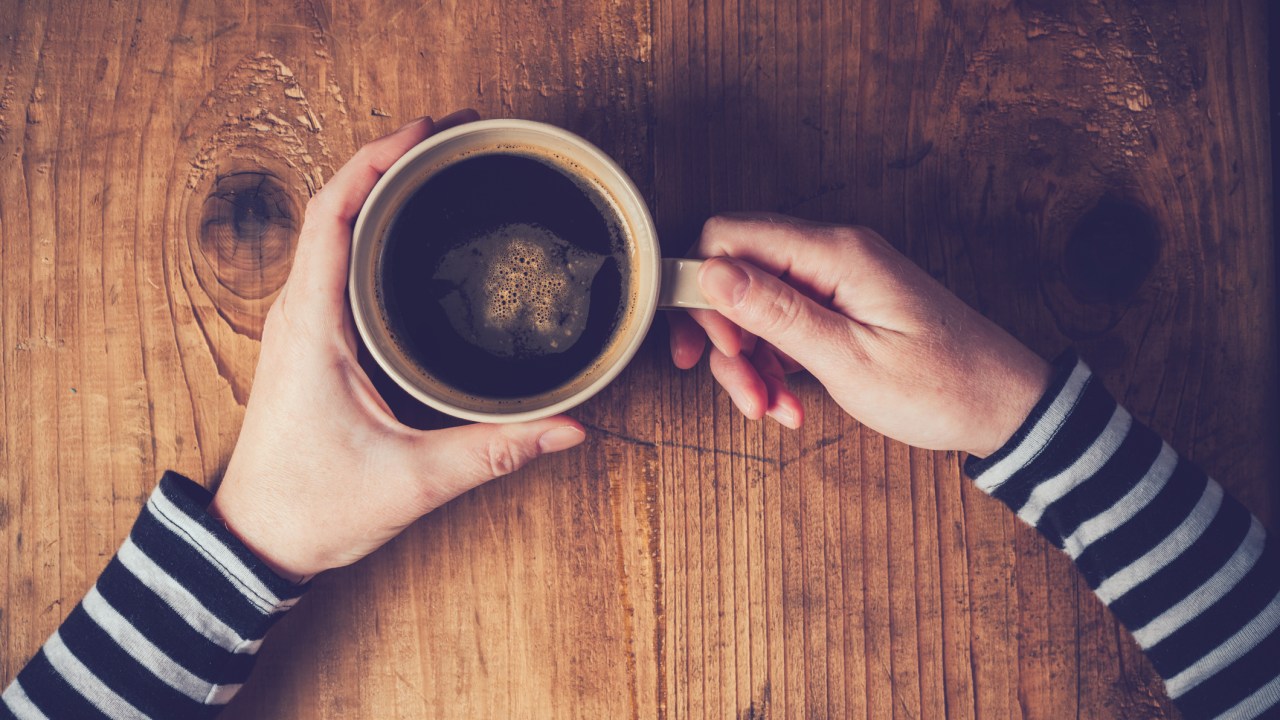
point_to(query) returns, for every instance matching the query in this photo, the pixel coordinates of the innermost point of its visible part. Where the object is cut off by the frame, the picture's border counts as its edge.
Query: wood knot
(248, 227)
(1111, 252)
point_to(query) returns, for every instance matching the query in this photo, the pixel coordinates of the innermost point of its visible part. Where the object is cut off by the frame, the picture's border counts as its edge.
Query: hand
(323, 473)
(894, 348)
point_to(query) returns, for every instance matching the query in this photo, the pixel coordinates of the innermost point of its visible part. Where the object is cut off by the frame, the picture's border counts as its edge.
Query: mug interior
(571, 155)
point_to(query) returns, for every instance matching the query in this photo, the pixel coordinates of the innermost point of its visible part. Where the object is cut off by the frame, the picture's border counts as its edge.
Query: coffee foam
(518, 291)
(631, 290)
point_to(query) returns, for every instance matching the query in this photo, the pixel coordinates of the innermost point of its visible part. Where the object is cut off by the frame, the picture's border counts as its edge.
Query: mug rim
(615, 181)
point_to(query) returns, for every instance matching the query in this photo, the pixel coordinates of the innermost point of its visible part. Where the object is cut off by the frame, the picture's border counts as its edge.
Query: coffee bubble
(518, 290)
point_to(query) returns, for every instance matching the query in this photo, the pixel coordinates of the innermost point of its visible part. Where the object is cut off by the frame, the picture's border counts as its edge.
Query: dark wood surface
(1093, 173)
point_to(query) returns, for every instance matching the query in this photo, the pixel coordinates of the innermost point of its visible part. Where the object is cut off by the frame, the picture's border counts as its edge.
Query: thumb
(460, 458)
(769, 308)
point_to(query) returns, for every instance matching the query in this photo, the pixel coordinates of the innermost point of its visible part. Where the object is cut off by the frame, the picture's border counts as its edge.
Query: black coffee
(505, 277)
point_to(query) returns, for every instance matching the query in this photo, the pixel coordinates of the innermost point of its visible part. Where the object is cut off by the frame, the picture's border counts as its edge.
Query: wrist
(1015, 389)
(254, 532)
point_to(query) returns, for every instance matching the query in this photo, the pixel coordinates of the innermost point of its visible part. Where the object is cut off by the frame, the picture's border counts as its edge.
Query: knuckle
(714, 230)
(317, 206)
(502, 456)
(277, 316)
(777, 310)
(715, 224)
(865, 241)
(850, 236)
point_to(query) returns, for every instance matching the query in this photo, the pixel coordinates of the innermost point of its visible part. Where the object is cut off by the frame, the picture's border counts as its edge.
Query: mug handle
(679, 289)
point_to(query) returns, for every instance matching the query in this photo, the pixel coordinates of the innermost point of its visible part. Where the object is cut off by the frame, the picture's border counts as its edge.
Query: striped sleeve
(169, 630)
(1187, 569)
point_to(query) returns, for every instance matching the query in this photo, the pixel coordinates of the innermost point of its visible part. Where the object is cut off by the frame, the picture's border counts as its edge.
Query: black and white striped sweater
(171, 627)
(1184, 566)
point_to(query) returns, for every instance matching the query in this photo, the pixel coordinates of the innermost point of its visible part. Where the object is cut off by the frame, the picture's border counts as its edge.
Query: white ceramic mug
(657, 282)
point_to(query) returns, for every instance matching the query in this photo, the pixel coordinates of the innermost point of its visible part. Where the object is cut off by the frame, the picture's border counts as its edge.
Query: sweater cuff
(171, 626)
(227, 572)
(1068, 378)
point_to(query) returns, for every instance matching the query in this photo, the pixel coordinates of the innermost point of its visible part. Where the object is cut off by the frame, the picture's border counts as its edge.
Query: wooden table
(1093, 173)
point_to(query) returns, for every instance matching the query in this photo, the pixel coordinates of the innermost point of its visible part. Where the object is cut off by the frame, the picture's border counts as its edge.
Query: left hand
(894, 348)
(323, 473)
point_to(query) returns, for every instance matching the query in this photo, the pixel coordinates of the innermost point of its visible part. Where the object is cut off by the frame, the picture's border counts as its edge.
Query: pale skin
(897, 350)
(323, 473)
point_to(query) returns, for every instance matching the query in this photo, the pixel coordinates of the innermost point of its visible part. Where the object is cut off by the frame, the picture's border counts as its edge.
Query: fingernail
(785, 417)
(723, 282)
(457, 115)
(724, 349)
(406, 126)
(745, 404)
(561, 438)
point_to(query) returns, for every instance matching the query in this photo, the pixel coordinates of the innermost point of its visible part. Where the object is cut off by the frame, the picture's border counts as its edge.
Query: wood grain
(1091, 173)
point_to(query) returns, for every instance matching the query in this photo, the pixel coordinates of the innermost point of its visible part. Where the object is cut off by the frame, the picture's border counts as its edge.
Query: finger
(460, 458)
(739, 378)
(769, 308)
(687, 340)
(722, 333)
(324, 245)
(455, 119)
(780, 244)
(784, 406)
(789, 365)
(851, 269)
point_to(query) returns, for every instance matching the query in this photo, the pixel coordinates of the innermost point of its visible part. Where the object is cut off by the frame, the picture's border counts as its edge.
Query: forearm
(169, 630)
(1185, 567)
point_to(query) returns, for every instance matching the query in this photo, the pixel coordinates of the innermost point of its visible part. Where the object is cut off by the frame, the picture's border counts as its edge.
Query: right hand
(323, 473)
(896, 350)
